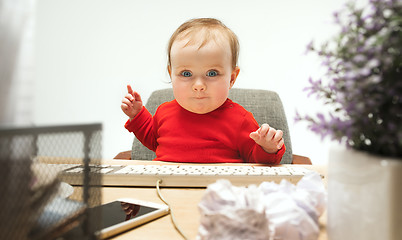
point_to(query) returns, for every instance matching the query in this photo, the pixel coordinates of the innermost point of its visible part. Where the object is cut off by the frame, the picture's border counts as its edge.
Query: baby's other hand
(131, 103)
(268, 138)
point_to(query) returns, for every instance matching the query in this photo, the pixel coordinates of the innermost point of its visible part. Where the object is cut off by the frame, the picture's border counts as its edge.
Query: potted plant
(362, 88)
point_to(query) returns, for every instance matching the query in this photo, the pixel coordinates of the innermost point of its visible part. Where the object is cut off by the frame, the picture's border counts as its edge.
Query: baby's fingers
(255, 135)
(127, 102)
(271, 134)
(278, 135)
(130, 97)
(280, 144)
(263, 130)
(130, 90)
(137, 97)
(278, 139)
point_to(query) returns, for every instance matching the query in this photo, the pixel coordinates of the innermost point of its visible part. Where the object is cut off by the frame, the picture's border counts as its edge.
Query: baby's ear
(170, 71)
(234, 75)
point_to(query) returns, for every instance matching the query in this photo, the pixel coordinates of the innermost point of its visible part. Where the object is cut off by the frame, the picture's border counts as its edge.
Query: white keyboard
(184, 175)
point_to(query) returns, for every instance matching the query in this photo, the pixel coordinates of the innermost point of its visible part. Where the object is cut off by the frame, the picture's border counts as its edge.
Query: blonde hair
(210, 28)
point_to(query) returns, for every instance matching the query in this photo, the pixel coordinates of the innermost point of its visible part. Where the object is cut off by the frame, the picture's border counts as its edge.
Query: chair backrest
(266, 106)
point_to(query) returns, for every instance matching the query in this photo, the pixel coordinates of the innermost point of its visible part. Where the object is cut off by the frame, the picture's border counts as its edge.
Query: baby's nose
(199, 85)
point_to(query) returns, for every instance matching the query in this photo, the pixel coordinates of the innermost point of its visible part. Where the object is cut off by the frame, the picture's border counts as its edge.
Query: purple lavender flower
(363, 82)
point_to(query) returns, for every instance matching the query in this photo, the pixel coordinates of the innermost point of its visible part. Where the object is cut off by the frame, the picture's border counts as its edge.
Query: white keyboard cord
(170, 210)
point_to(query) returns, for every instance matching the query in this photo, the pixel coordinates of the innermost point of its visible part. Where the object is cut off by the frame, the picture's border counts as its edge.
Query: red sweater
(220, 136)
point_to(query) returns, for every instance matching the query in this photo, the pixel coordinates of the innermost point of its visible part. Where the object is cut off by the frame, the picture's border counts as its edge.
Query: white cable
(170, 210)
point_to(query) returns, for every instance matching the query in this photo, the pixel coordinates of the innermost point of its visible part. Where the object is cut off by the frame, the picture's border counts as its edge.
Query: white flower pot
(364, 196)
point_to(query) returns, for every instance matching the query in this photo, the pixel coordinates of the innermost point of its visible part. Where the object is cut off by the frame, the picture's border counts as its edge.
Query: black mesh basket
(36, 203)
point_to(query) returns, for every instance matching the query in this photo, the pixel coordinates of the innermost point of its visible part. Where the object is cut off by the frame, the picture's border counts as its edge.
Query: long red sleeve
(143, 127)
(177, 135)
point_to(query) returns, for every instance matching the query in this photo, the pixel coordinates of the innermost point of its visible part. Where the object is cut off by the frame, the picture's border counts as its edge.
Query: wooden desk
(184, 204)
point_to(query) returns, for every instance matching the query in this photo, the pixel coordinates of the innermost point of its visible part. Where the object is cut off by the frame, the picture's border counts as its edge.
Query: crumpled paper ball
(270, 211)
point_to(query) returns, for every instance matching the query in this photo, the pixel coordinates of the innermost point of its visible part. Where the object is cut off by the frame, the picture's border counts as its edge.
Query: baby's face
(201, 78)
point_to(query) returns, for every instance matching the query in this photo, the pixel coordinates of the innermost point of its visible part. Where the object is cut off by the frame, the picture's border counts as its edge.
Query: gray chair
(266, 106)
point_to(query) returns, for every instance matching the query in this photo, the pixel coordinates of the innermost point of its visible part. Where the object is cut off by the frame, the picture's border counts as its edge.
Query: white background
(87, 51)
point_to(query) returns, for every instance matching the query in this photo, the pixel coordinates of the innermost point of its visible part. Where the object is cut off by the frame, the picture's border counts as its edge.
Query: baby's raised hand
(268, 138)
(131, 103)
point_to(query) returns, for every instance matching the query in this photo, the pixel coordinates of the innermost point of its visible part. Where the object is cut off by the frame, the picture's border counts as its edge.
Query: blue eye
(186, 74)
(212, 73)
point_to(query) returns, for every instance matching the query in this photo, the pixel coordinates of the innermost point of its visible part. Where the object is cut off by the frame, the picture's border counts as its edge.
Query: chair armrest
(297, 159)
(126, 155)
